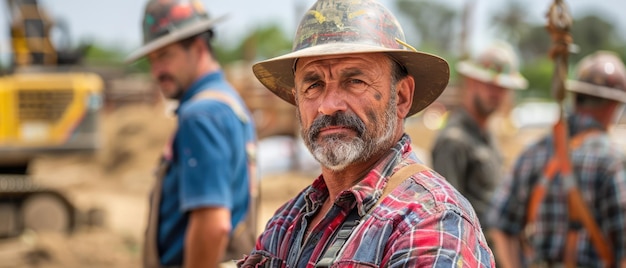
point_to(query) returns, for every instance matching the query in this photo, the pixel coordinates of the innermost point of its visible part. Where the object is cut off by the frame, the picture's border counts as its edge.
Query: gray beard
(338, 153)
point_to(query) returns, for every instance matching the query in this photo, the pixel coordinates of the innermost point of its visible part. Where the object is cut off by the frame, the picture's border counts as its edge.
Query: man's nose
(333, 101)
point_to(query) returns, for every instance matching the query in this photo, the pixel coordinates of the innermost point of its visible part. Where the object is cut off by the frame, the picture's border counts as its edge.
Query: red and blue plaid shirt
(424, 222)
(600, 173)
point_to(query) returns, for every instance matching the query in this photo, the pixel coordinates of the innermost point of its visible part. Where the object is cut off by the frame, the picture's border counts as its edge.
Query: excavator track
(25, 205)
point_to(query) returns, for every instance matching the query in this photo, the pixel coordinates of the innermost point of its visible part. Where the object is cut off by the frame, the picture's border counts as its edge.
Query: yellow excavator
(47, 105)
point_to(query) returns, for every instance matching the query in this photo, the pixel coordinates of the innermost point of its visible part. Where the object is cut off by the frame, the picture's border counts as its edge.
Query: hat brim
(514, 81)
(431, 73)
(172, 37)
(595, 90)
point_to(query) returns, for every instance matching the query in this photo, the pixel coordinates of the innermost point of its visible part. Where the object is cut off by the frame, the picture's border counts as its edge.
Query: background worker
(464, 151)
(354, 80)
(200, 208)
(599, 171)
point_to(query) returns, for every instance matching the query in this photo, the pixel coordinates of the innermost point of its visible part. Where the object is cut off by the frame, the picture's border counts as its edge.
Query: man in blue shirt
(202, 199)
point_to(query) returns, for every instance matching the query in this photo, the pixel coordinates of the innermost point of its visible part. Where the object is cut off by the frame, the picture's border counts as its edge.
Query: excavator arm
(30, 34)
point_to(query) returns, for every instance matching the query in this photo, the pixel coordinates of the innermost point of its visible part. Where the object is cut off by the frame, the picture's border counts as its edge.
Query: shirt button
(192, 162)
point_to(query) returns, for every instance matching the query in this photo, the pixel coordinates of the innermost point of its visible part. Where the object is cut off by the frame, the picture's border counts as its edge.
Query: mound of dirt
(132, 133)
(87, 248)
(132, 139)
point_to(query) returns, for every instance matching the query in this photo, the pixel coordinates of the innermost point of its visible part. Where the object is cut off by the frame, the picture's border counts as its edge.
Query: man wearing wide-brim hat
(465, 151)
(202, 203)
(354, 80)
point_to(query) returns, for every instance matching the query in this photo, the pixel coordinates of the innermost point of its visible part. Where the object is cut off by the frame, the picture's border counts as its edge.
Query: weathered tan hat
(496, 64)
(337, 27)
(601, 74)
(169, 21)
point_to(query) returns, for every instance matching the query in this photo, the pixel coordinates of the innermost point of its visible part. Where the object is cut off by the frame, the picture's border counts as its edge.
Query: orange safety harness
(579, 216)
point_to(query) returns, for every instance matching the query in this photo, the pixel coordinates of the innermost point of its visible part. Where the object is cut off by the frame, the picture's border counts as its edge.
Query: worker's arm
(207, 237)
(506, 247)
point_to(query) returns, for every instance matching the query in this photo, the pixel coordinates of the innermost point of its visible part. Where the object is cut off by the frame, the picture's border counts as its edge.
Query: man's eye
(356, 85)
(313, 86)
(356, 81)
(312, 89)
(163, 56)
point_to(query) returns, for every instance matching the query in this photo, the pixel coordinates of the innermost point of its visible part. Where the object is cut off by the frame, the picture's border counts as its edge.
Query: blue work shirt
(209, 165)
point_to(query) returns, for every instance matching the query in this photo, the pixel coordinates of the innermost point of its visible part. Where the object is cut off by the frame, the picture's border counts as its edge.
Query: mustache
(164, 77)
(338, 119)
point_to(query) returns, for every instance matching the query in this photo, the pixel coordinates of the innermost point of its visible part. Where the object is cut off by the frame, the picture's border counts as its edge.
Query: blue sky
(116, 22)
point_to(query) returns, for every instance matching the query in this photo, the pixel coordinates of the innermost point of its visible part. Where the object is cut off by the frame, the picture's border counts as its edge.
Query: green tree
(262, 43)
(539, 75)
(589, 33)
(436, 24)
(535, 43)
(592, 33)
(104, 55)
(511, 24)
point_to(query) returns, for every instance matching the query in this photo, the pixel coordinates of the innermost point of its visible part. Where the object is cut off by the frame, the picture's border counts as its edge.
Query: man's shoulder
(453, 134)
(601, 150)
(211, 102)
(429, 194)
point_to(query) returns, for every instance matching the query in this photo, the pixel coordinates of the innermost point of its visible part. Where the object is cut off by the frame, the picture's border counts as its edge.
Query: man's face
(487, 97)
(172, 68)
(346, 107)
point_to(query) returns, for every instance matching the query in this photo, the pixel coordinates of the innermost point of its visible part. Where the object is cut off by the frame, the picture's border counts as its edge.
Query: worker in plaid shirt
(599, 169)
(354, 80)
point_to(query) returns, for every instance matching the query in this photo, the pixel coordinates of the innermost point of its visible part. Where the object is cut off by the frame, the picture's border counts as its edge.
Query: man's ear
(405, 88)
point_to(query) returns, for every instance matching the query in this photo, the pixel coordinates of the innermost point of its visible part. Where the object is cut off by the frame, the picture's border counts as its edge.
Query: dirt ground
(116, 180)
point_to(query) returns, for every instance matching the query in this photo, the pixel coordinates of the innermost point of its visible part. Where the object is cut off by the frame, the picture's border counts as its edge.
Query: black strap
(341, 237)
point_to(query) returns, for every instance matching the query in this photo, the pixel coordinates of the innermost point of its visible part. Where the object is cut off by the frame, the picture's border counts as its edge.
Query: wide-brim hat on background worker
(169, 21)
(335, 27)
(601, 74)
(497, 64)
